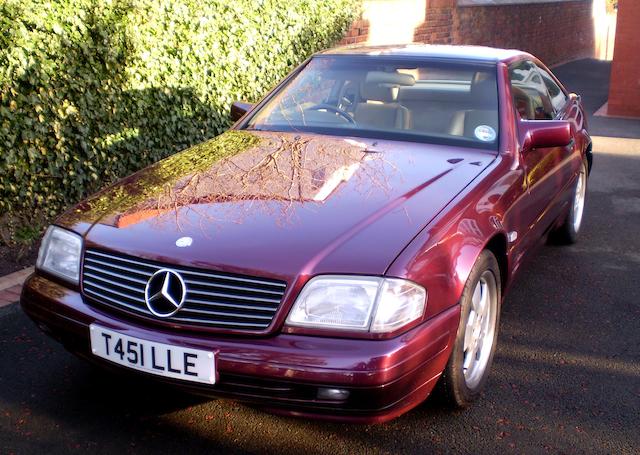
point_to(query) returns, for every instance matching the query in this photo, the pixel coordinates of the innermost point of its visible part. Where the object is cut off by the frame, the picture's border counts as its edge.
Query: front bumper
(385, 378)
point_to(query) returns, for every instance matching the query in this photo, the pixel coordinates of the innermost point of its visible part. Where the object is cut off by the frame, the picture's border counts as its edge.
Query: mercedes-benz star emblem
(165, 293)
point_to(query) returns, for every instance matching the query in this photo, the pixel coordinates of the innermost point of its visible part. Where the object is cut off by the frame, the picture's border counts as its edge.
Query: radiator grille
(212, 299)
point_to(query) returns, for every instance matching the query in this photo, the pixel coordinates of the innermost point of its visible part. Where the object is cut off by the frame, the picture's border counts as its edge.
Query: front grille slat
(117, 266)
(91, 284)
(112, 275)
(244, 280)
(213, 299)
(225, 295)
(102, 296)
(239, 307)
(225, 314)
(223, 324)
(95, 279)
(194, 283)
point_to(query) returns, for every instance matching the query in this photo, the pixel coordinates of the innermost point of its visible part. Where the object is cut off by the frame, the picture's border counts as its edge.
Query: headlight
(60, 254)
(358, 303)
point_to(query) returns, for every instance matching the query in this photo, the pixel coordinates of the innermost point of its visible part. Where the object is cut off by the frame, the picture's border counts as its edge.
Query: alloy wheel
(578, 200)
(480, 329)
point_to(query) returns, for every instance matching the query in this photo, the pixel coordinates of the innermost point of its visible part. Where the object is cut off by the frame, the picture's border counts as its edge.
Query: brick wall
(438, 24)
(553, 31)
(357, 33)
(624, 91)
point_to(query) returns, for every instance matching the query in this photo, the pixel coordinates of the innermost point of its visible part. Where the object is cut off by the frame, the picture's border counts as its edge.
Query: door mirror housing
(238, 109)
(544, 133)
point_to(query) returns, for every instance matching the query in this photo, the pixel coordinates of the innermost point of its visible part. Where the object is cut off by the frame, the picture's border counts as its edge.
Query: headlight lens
(60, 254)
(358, 303)
(399, 303)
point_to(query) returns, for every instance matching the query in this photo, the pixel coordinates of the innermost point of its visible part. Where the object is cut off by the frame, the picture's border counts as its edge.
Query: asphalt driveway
(566, 376)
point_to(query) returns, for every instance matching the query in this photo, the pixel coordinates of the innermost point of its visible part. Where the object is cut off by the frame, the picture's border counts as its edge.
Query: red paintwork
(544, 133)
(417, 211)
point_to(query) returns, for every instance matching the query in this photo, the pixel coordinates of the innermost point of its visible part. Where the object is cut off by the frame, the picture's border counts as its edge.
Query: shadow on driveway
(566, 376)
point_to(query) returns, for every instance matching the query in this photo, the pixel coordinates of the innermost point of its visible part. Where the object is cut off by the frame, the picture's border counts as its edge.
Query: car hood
(279, 204)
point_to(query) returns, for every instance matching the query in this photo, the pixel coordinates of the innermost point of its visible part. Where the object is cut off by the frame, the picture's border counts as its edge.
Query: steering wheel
(336, 110)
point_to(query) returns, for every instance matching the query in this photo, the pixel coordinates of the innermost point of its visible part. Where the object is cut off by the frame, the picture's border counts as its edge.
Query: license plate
(151, 357)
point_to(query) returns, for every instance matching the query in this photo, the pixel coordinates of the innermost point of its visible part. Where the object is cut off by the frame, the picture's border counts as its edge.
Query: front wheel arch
(498, 246)
(589, 155)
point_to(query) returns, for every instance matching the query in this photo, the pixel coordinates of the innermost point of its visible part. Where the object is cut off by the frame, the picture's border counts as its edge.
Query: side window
(530, 95)
(558, 97)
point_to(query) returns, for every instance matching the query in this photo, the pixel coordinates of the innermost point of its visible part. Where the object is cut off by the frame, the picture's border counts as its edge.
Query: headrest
(381, 86)
(485, 92)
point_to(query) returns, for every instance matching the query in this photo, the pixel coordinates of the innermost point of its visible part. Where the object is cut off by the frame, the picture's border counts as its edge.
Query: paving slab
(11, 286)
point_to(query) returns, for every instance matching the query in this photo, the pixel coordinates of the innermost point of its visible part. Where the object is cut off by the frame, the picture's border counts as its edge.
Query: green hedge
(91, 90)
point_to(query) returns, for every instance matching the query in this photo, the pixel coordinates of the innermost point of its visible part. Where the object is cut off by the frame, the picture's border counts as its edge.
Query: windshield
(379, 97)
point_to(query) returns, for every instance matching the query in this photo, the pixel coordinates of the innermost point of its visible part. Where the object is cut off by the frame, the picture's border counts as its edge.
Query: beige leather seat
(484, 100)
(464, 123)
(383, 112)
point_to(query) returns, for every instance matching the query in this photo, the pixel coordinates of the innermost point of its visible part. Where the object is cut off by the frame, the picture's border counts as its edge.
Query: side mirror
(238, 109)
(544, 133)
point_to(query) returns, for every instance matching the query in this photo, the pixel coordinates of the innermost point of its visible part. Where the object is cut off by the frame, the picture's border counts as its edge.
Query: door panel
(547, 171)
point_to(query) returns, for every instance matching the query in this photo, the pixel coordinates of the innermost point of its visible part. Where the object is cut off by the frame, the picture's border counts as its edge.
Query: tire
(568, 231)
(466, 374)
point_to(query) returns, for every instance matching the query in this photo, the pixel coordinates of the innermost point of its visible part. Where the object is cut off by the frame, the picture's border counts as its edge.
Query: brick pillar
(438, 25)
(624, 89)
(357, 33)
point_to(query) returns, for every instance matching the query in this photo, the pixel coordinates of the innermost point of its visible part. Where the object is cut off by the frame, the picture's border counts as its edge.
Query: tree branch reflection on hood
(235, 175)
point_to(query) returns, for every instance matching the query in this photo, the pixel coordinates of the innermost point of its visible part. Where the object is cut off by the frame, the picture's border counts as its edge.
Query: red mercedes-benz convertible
(343, 249)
